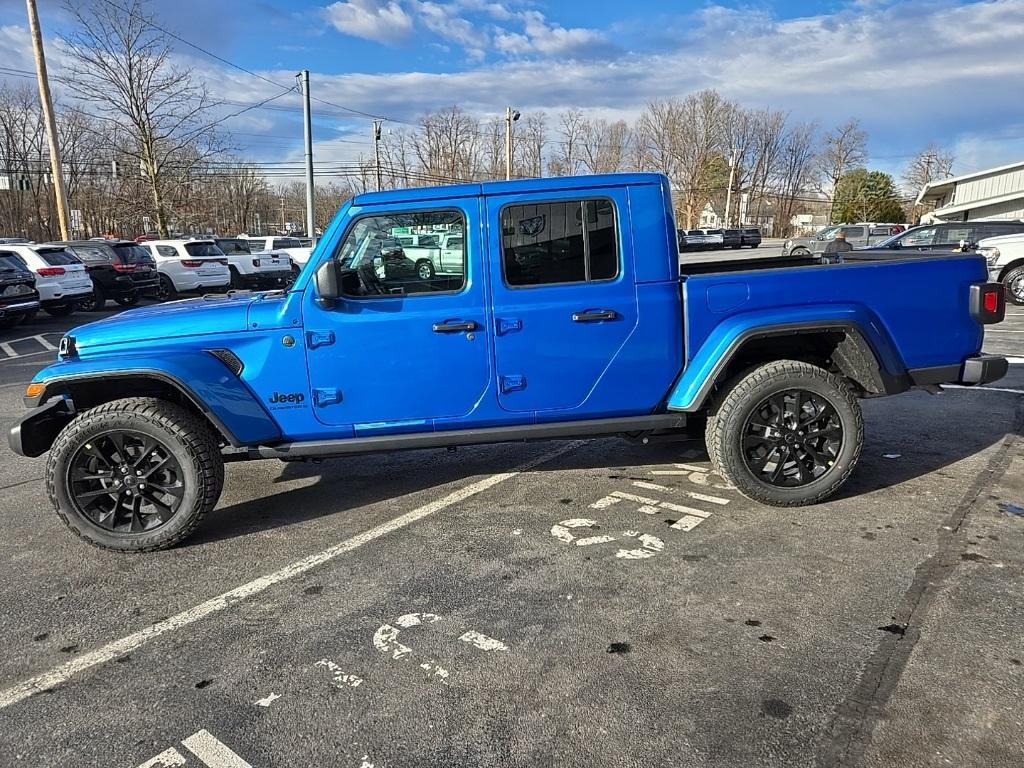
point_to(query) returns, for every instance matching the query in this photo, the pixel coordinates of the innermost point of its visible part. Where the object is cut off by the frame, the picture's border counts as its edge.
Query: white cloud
(552, 40)
(384, 22)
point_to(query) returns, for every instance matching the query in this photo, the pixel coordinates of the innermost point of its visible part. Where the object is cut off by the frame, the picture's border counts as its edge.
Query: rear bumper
(980, 369)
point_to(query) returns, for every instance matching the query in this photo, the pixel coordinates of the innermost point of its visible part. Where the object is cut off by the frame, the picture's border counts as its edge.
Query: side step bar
(458, 437)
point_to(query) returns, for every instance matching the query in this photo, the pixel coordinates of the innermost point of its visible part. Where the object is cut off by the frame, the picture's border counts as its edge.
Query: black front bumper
(35, 433)
(980, 369)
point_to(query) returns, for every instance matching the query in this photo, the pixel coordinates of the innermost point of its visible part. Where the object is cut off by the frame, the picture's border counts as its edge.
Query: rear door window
(11, 261)
(918, 237)
(167, 251)
(209, 250)
(854, 232)
(954, 235)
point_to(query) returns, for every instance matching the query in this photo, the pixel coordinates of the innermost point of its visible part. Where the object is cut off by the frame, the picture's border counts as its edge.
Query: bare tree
(530, 140)
(122, 67)
(795, 172)
(568, 155)
(605, 146)
(448, 147)
(845, 148)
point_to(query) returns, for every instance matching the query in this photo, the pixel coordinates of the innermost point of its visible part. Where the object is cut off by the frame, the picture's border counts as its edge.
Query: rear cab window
(551, 243)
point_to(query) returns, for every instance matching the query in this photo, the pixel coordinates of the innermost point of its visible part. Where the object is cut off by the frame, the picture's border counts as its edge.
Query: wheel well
(1009, 268)
(841, 351)
(88, 393)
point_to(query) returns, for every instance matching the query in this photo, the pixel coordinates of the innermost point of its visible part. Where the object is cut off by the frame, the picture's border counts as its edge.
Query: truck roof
(517, 186)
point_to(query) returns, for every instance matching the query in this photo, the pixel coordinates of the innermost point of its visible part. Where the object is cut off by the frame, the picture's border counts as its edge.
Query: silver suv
(858, 235)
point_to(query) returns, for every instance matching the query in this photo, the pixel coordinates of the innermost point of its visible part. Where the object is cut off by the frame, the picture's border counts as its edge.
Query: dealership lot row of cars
(61, 277)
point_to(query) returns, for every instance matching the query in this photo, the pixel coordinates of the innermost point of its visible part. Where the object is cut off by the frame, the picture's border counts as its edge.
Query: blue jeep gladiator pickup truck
(567, 318)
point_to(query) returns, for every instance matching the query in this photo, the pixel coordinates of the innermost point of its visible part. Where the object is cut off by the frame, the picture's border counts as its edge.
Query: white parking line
(215, 754)
(8, 349)
(984, 389)
(58, 675)
(169, 758)
(45, 344)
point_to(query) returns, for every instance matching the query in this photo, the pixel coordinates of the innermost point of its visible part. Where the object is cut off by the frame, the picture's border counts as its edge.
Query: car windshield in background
(58, 257)
(132, 254)
(10, 262)
(203, 249)
(94, 254)
(234, 246)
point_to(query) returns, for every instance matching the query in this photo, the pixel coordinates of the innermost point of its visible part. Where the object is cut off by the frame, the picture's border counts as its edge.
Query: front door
(398, 350)
(564, 299)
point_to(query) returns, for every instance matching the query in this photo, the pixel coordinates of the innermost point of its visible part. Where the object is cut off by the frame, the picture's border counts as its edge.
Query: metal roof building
(997, 193)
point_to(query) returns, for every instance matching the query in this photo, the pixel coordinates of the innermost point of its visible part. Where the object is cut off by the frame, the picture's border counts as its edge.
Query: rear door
(564, 300)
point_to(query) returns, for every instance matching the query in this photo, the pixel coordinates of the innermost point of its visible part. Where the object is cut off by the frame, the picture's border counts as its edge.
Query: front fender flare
(199, 376)
(694, 385)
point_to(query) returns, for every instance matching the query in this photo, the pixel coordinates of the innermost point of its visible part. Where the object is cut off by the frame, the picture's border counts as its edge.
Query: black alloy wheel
(792, 438)
(125, 482)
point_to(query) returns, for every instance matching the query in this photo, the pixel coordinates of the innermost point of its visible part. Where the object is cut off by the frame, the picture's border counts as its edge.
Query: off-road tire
(734, 404)
(1011, 277)
(185, 434)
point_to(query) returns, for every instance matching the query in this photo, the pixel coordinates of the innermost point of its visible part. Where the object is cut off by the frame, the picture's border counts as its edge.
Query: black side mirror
(327, 287)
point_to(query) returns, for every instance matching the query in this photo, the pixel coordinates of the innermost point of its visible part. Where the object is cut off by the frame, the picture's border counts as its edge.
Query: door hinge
(326, 396)
(513, 383)
(503, 326)
(316, 339)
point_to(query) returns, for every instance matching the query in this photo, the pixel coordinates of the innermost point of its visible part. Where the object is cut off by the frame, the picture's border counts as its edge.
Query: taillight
(988, 303)
(124, 267)
(50, 271)
(191, 263)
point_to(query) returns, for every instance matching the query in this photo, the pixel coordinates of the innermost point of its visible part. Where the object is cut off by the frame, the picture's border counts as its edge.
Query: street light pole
(510, 117)
(308, 126)
(728, 192)
(376, 151)
(51, 123)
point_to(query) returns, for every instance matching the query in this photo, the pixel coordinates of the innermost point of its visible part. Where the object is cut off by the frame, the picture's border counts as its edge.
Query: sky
(912, 72)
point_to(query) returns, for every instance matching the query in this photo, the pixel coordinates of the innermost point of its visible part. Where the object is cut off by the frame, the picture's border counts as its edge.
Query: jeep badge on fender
(287, 397)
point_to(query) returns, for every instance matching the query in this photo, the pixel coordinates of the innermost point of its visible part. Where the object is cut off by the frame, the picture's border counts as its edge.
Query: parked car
(1005, 258)
(263, 269)
(600, 336)
(696, 240)
(750, 237)
(19, 299)
(189, 265)
(714, 238)
(61, 277)
(442, 252)
(731, 238)
(950, 235)
(292, 246)
(123, 275)
(858, 235)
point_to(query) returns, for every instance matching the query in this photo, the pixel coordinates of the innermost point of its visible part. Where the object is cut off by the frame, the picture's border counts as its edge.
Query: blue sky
(912, 72)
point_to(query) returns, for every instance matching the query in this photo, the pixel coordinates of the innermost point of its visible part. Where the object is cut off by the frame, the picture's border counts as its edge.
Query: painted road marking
(562, 532)
(340, 678)
(45, 344)
(651, 486)
(483, 642)
(61, 674)
(984, 389)
(650, 546)
(605, 502)
(267, 700)
(169, 758)
(215, 754)
(12, 354)
(692, 494)
(8, 349)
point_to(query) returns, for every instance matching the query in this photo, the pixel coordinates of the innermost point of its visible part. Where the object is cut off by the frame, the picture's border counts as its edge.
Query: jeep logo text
(287, 397)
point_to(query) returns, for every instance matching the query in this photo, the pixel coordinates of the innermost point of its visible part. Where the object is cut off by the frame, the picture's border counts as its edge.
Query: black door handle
(455, 326)
(592, 317)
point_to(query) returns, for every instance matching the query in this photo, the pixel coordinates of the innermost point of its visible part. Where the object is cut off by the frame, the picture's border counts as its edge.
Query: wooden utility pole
(51, 123)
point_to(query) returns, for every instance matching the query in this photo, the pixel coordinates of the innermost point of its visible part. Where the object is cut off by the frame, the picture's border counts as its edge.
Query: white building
(997, 193)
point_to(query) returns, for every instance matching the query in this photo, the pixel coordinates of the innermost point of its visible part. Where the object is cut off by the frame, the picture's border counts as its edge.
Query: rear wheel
(425, 270)
(1014, 282)
(236, 280)
(786, 433)
(795, 251)
(135, 475)
(60, 310)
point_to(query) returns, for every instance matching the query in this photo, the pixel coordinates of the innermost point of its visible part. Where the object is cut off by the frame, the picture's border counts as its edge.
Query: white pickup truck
(435, 253)
(1005, 258)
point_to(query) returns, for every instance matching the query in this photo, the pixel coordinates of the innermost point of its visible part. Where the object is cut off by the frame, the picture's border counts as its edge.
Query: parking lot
(571, 604)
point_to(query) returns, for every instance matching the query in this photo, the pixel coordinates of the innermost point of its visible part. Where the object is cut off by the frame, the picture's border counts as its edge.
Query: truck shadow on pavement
(902, 445)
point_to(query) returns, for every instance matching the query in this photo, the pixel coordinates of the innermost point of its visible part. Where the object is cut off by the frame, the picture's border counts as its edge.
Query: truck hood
(176, 319)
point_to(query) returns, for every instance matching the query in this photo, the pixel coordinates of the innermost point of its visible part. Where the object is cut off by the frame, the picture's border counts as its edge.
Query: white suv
(61, 278)
(1005, 258)
(189, 265)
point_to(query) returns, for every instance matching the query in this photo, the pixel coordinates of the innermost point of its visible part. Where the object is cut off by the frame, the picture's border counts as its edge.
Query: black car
(947, 235)
(750, 237)
(19, 299)
(732, 238)
(120, 270)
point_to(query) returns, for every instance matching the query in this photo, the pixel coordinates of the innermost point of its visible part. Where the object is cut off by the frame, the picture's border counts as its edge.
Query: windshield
(829, 232)
(234, 246)
(132, 254)
(203, 249)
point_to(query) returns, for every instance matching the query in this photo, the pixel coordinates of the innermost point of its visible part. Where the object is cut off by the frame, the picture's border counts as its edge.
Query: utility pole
(51, 123)
(376, 151)
(510, 117)
(728, 192)
(308, 124)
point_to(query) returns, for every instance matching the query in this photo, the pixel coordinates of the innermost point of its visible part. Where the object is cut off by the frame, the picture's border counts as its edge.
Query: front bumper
(34, 434)
(18, 308)
(979, 369)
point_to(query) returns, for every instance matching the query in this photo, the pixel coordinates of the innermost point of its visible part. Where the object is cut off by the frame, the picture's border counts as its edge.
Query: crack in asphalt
(849, 733)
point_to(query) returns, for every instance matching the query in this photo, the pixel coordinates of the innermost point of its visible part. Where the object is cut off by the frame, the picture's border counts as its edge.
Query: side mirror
(327, 288)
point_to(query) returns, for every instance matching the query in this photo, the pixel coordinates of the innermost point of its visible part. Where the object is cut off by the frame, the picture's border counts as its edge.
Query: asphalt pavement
(571, 604)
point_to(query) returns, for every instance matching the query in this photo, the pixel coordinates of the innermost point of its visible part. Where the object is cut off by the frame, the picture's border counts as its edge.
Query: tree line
(144, 148)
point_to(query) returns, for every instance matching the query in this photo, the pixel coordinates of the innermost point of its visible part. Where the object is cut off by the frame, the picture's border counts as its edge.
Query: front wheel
(425, 270)
(1014, 282)
(786, 433)
(134, 475)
